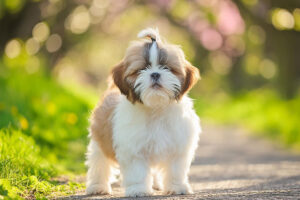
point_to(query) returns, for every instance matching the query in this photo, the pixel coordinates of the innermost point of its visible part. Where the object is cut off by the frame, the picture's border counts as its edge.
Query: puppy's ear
(191, 78)
(118, 78)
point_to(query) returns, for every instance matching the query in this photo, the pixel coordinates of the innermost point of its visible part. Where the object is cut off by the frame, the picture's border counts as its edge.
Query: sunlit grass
(24, 171)
(43, 133)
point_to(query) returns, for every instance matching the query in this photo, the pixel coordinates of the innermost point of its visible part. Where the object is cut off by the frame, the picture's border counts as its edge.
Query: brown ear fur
(191, 78)
(120, 81)
(118, 78)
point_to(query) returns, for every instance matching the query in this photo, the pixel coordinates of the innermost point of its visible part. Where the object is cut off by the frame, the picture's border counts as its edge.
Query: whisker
(176, 87)
(137, 85)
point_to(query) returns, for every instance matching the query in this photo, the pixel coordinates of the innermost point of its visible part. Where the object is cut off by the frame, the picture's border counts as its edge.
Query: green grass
(43, 134)
(262, 111)
(25, 173)
(21, 163)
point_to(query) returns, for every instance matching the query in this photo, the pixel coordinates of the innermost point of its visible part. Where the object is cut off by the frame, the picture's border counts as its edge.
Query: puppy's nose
(155, 76)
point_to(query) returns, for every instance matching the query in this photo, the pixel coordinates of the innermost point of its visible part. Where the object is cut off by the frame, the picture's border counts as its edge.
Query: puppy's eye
(145, 68)
(165, 67)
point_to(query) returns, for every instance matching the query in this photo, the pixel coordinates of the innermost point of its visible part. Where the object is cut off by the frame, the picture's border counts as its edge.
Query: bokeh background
(55, 56)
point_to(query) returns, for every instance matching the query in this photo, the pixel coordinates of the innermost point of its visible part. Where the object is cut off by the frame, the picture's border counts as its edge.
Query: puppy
(145, 124)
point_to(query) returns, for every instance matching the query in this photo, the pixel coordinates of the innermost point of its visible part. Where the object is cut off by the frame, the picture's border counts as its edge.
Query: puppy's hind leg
(99, 171)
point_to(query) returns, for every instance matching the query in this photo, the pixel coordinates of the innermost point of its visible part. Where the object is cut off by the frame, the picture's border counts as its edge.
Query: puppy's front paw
(158, 186)
(179, 189)
(98, 189)
(138, 190)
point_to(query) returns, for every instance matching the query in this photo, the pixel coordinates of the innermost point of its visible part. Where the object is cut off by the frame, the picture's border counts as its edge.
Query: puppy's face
(154, 73)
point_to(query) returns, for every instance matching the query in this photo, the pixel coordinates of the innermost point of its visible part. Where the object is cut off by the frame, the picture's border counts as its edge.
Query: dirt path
(231, 165)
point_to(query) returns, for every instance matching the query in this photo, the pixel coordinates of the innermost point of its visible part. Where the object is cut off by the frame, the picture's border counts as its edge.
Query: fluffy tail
(151, 33)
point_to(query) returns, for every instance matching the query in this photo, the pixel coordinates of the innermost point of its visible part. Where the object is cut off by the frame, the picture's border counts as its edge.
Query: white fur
(150, 32)
(153, 97)
(154, 148)
(164, 138)
(153, 57)
(99, 172)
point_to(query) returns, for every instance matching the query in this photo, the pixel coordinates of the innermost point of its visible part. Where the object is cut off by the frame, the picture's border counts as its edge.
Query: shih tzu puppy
(145, 125)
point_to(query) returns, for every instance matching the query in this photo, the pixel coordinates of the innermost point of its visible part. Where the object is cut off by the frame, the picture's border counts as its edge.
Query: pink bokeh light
(211, 39)
(229, 20)
(197, 24)
(163, 4)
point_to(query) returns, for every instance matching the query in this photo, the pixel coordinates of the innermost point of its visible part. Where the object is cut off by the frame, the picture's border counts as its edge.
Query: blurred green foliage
(261, 111)
(45, 111)
(11, 6)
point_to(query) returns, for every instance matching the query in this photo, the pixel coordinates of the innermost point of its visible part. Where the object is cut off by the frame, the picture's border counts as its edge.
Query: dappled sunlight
(296, 14)
(256, 34)
(13, 48)
(267, 68)
(54, 43)
(221, 63)
(282, 19)
(40, 32)
(32, 46)
(252, 64)
(79, 20)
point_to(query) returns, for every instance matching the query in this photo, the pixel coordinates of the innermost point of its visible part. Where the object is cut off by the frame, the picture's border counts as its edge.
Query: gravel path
(229, 164)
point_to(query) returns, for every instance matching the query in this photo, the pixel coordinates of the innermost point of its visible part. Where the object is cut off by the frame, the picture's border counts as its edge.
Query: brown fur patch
(119, 79)
(125, 73)
(101, 122)
(174, 58)
(134, 59)
(191, 77)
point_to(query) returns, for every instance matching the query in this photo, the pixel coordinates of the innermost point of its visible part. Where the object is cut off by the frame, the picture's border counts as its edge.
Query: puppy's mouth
(156, 85)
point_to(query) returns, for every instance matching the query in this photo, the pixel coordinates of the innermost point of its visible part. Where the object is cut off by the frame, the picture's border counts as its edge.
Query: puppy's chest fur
(151, 134)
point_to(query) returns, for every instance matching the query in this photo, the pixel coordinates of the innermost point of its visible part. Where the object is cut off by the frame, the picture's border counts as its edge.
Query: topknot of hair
(151, 33)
